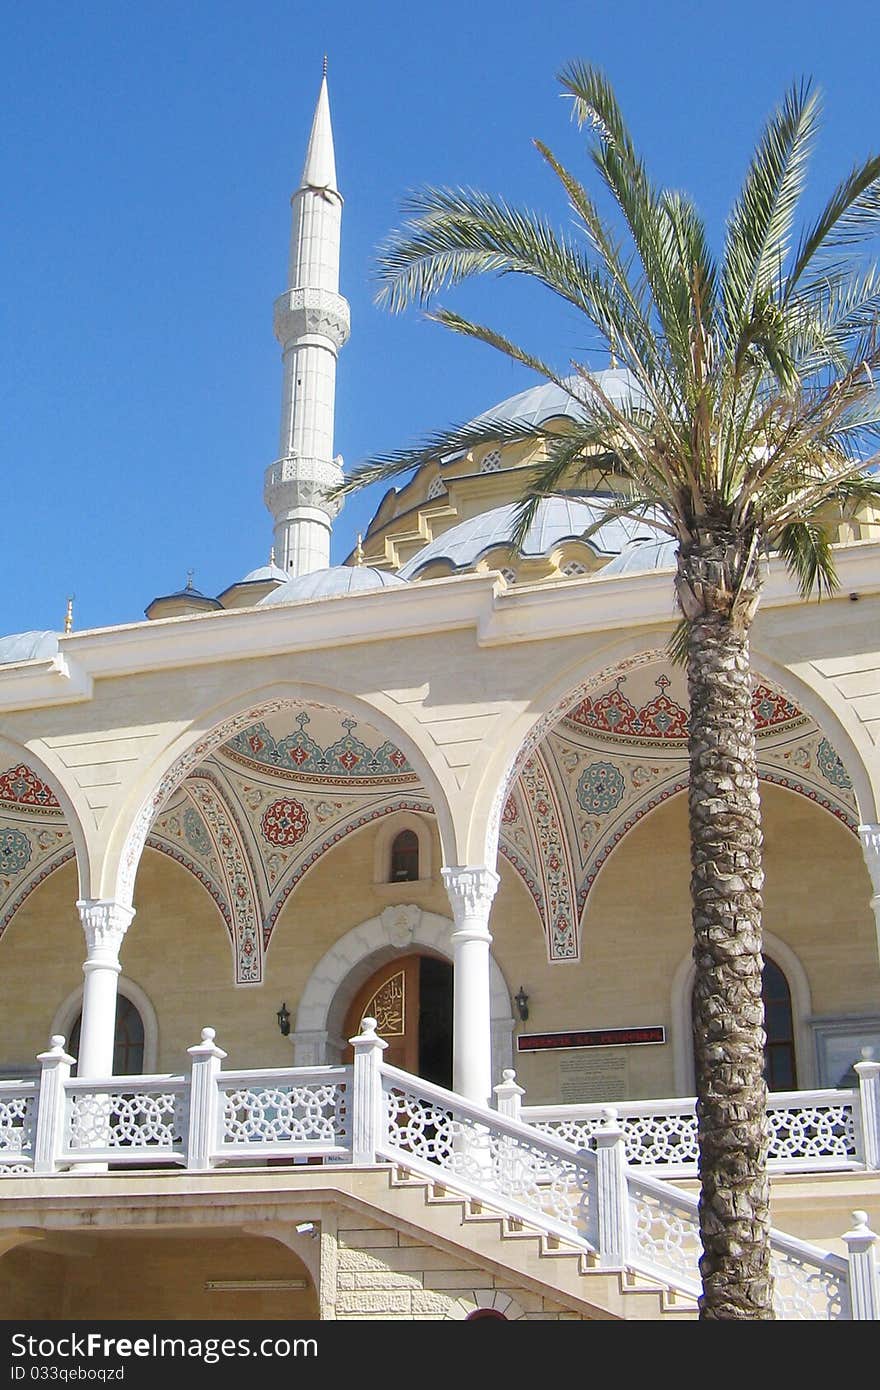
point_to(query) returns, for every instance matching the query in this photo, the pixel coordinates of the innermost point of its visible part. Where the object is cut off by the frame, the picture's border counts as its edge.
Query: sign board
(594, 1037)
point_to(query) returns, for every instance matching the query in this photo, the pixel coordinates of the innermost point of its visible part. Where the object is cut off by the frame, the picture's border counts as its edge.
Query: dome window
(492, 462)
(437, 489)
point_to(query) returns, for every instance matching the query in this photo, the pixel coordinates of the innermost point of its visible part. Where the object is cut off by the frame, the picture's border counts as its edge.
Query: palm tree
(750, 411)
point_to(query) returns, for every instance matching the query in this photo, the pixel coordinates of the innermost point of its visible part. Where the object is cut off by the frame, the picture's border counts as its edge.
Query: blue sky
(148, 157)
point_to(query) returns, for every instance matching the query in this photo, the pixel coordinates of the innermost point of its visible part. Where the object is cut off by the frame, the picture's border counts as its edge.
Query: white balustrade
(809, 1131)
(18, 1123)
(297, 1112)
(441, 1135)
(127, 1120)
(562, 1169)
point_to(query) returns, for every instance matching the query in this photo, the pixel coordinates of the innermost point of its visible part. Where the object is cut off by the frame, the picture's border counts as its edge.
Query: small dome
(557, 519)
(640, 556)
(548, 401)
(28, 646)
(330, 583)
(265, 574)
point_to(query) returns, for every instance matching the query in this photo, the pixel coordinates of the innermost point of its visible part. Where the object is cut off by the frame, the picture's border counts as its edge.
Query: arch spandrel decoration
(618, 751)
(259, 810)
(35, 838)
(396, 758)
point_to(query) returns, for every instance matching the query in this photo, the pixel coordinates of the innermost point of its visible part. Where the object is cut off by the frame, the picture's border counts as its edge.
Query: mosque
(440, 786)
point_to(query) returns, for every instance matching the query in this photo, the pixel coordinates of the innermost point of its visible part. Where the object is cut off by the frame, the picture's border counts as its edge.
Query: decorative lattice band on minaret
(311, 324)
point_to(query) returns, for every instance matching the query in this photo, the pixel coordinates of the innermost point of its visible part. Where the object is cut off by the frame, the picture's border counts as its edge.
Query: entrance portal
(410, 998)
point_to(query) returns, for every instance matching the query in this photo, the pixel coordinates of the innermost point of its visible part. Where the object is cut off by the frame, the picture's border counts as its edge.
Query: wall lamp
(521, 1000)
(283, 1016)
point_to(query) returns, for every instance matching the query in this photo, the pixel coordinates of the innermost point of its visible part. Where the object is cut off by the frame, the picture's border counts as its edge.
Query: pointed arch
(214, 727)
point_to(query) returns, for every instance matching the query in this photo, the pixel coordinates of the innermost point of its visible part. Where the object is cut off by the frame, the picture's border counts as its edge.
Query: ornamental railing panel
(126, 1120)
(664, 1232)
(808, 1131)
(18, 1119)
(439, 1135)
(284, 1113)
(808, 1285)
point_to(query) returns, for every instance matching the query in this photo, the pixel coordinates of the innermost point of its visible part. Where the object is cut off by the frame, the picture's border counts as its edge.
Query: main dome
(547, 401)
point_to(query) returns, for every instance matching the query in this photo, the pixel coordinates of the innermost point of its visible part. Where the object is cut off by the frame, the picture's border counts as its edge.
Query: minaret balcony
(294, 482)
(307, 313)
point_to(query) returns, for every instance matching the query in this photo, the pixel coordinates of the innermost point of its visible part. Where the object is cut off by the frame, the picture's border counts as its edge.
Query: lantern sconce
(283, 1017)
(521, 1000)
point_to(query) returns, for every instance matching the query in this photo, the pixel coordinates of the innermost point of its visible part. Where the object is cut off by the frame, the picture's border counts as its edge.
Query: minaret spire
(311, 324)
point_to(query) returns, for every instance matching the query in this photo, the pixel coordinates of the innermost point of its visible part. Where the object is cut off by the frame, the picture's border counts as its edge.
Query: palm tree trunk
(728, 1014)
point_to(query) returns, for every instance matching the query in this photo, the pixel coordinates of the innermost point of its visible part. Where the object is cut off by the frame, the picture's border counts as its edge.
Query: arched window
(405, 857)
(128, 1042)
(780, 1072)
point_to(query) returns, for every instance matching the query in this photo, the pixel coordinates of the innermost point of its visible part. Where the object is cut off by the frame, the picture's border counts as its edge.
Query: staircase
(561, 1270)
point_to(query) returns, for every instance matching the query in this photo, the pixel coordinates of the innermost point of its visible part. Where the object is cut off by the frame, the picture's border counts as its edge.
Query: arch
(801, 1003)
(816, 696)
(525, 732)
(394, 823)
(215, 726)
(67, 1013)
(339, 973)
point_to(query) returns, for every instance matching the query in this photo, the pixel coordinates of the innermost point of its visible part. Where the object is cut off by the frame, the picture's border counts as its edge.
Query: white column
(870, 838)
(105, 923)
(471, 891)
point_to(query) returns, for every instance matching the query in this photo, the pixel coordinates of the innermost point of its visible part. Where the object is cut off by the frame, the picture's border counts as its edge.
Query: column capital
(105, 923)
(470, 891)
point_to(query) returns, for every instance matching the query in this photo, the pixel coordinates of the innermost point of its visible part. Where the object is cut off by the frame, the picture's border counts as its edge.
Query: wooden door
(411, 1000)
(391, 997)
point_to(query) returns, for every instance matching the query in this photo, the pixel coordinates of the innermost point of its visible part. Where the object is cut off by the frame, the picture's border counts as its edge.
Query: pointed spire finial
(189, 579)
(271, 555)
(319, 170)
(324, 73)
(359, 551)
(68, 616)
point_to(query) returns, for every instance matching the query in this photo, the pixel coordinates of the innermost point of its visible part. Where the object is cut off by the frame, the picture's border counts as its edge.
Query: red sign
(596, 1037)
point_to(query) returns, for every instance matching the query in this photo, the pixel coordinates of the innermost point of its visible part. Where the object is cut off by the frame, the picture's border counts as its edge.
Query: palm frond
(760, 223)
(806, 549)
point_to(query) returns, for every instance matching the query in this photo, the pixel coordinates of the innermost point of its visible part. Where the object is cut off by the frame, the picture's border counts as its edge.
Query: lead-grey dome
(640, 556)
(264, 573)
(548, 401)
(28, 646)
(557, 519)
(330, 583)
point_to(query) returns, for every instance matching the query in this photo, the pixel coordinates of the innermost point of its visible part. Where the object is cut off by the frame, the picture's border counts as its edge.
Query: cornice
(498, 616)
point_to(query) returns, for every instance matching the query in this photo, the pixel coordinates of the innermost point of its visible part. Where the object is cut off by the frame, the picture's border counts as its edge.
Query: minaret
(311, 324)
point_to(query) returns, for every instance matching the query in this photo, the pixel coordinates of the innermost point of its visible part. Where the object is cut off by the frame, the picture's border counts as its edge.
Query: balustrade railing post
(868, 1137)
(201, 1139)
(367, 1112)
(612, 1192)
(864, 1282)
(54, 1074)
(508, 1096)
